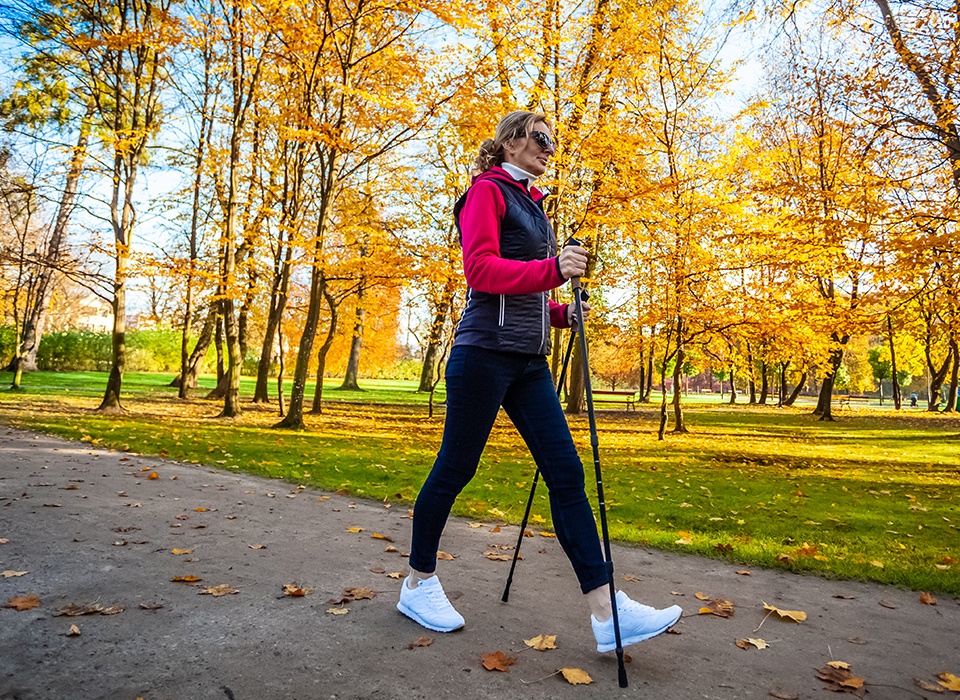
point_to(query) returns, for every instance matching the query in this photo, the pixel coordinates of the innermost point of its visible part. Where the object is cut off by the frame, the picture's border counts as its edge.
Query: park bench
(629, 398)
(850, 400)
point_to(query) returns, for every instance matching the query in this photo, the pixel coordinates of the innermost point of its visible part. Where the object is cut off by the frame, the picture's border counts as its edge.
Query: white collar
(519, 174)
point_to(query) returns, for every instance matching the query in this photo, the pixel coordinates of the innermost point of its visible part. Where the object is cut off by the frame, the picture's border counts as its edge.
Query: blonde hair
(513, 126)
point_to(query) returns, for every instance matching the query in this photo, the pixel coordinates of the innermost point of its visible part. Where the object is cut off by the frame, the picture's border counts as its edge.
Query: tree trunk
(733, 387)
(219, 391)
(111, 397)
(356, 345)
(430, 369)
(897, 399)
(751, 382)
(642, 379)
(936, 375)
(781, 397)
(25, 360)
(796, 390)
(199, 352)
(322, 353)
(678, 424)
(278, 304)
(824, 407)
(649, 389)
(764, 383)
(575, 397)
(954, 377)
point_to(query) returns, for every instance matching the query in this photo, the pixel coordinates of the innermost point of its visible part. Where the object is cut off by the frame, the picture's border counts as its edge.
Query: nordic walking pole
(536, 475)
(595, 444)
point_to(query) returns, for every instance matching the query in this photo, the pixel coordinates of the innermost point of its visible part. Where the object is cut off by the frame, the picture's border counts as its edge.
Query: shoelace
(436, 596)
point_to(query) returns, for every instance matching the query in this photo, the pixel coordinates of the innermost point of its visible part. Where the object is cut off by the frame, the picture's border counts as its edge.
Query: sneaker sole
(627, 641)
(413, 616)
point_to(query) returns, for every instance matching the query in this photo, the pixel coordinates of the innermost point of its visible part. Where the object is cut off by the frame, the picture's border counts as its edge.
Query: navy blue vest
(511, 322)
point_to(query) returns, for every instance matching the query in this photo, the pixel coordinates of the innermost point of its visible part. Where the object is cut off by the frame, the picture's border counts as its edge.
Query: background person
(499, 359)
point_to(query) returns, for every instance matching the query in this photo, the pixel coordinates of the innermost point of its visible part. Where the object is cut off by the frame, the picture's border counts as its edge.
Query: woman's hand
(573, 261)
(572, 313)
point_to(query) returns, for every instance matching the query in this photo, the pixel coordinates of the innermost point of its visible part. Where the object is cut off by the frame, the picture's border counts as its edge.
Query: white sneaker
(637, 622)
(427, 604)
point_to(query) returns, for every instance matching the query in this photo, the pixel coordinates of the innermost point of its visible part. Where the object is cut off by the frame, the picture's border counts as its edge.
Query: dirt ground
(92, 529)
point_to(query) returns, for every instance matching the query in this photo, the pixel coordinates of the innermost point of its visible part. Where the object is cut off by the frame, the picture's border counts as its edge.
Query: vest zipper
(503, 304)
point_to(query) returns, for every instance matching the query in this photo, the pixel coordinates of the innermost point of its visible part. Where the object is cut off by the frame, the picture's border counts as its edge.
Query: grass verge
(873, 496)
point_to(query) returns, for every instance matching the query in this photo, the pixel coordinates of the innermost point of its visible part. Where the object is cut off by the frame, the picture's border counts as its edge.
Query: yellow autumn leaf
(575, 676)
(74, 631)
(10, 574)
(839, 664)
(338, 611)
(354, 529)
(949, 681)
(795, 615)
(542, 642)
(178, 552)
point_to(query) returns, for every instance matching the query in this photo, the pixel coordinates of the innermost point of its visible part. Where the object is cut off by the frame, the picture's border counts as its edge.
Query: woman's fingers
(573, 261)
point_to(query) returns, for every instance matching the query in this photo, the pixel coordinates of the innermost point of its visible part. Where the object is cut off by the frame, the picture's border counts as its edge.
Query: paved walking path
(91, 527)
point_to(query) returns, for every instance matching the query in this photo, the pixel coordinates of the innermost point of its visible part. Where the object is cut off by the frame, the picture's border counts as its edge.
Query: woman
(499, 359)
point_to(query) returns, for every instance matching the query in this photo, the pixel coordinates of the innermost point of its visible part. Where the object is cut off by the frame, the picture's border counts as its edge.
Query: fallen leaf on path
(153, 475)
(257, 546)
(351, 594)
(445, 556)
(795, 615)
(547, 534)
(338, 611)
(701, 596)
(295, 591)
(200, 509)
(927, 599)
(23, 602)
(422, 642)
(575, 676)
(751, 642)
(718, 607)
(949, 681)
(494, 556)
(542, 642)
(185, 579)
(378, 536)
(783, 695)
(628, 577)
(743, 572)
(10, 574)
(151, 606)
(887, 604)
(926, 685)
(178, 552)
(74, 610)
(4, 540)
(842, 680)
(497, 661)
(354, 529)
(395, 575)
(74, 631)
(839, 664)
(113, 610)
(221, 590)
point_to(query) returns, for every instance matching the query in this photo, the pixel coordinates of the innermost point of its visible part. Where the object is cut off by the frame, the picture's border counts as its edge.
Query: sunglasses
(544, 141)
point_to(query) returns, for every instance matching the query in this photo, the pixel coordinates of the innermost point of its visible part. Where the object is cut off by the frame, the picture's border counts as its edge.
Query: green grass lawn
(875, 495)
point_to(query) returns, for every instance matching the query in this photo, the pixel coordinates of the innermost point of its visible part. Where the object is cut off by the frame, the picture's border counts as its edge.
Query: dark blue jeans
(478, 382)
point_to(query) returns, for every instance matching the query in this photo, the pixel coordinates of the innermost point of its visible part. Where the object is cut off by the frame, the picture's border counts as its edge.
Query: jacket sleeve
(483, 267)
(558, 314)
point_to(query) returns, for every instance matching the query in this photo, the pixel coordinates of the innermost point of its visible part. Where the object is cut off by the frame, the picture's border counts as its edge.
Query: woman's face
(532, 151)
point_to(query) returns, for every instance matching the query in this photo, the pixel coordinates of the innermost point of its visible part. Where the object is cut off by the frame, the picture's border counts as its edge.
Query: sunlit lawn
(875, 495)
